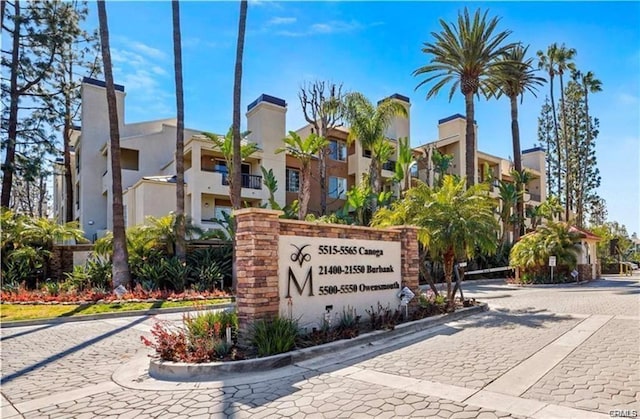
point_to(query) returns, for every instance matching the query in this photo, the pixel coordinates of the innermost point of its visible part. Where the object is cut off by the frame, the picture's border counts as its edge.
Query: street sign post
(552, 263)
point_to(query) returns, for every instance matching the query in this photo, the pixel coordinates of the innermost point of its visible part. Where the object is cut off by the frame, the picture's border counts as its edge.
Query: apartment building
(148, 163)
(347, 162)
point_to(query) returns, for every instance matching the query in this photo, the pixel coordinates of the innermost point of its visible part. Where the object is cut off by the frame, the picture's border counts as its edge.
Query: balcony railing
(248, 181)
(389, 165)
(534, 197)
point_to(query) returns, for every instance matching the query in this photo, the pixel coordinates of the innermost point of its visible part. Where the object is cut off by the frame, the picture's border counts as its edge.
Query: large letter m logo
(292, 276)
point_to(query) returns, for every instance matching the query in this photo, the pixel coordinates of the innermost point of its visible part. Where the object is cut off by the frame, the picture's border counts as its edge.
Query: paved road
(541, 352)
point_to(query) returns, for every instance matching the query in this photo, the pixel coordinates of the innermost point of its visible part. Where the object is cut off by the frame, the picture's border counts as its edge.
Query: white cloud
(261, 3)
(329, 28)
(627, 99)
(147, 50)
(159, 70)
(146, 73)
(280, 20)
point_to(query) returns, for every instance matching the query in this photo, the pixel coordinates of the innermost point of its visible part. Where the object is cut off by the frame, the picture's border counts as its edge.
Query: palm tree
(521, 180)
(226, 145)
(235, 179)
(177, 57)
(404, 163)
(514, 78)
(164, 230)
(120, 267)
(368, 125)
(441, 163)
(454, 223)
(553, 239)
(304, 151)
(547, 62)
(508, 193)
(465, 55)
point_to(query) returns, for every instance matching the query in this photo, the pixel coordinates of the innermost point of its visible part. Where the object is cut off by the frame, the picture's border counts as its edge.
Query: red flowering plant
(202, 338)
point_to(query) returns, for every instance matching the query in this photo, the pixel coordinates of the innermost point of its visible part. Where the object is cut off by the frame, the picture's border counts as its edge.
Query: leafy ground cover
(213, 336)
(23, 295)
(13, 312)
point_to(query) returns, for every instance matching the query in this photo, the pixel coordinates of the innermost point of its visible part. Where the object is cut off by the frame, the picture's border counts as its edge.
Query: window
(293, 180)
(220, 166)
(219, 210)
(129, 158)
(366, 153)
(337, 187)
(414, 170)
(337, 150)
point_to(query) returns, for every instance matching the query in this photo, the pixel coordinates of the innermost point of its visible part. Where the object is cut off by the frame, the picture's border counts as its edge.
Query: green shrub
(176, 272)
(99, 270)
(51, 288)
(211, 324)
(348, 323)
(383, 317)
(149, 272)
(211, 265)
(276, 336)
(77, 280)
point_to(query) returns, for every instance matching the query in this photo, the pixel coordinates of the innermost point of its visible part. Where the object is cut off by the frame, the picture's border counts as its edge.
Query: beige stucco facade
(148, 163)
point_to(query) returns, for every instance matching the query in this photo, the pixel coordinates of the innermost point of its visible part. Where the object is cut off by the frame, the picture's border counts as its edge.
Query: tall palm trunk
(557, 134)
(177, 58)
(517, 160)
(565, 145)
(470, 140)
(120, 269)
(447, 264)
(66, 140)
(12, 129)
(236, 185)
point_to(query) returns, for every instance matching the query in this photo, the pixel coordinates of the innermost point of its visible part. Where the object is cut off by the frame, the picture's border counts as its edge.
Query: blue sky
(373, 47)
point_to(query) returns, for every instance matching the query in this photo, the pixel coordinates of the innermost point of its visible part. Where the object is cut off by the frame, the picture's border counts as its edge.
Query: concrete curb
(182, 371)
(101, 316)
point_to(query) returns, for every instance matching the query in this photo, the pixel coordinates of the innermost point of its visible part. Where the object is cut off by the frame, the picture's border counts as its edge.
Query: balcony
(389, 165)
(248, 181)
(534, 197)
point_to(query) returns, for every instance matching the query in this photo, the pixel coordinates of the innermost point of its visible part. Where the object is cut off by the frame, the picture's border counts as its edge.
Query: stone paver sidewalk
(579, 345)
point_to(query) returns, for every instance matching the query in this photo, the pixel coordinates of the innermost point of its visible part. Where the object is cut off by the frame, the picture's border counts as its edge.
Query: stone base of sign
(182, 371)
(256, 258)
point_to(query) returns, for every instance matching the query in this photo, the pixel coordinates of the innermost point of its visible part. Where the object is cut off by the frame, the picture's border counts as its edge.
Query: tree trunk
(470, 140)
(177, 58)
(447, 261)
(236, 185)
(517, 160)
(42, 193)
(322, 168)
(12, 128)
(305, 191)
(587, 150)
(68, 175)
(557, 135)
(120, 269)
(566, 154)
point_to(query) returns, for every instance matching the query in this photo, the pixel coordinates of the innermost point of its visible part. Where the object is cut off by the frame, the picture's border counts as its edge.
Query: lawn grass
(13, 312)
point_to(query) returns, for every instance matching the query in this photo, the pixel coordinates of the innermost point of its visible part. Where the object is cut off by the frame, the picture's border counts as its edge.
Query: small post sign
(552, 263)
